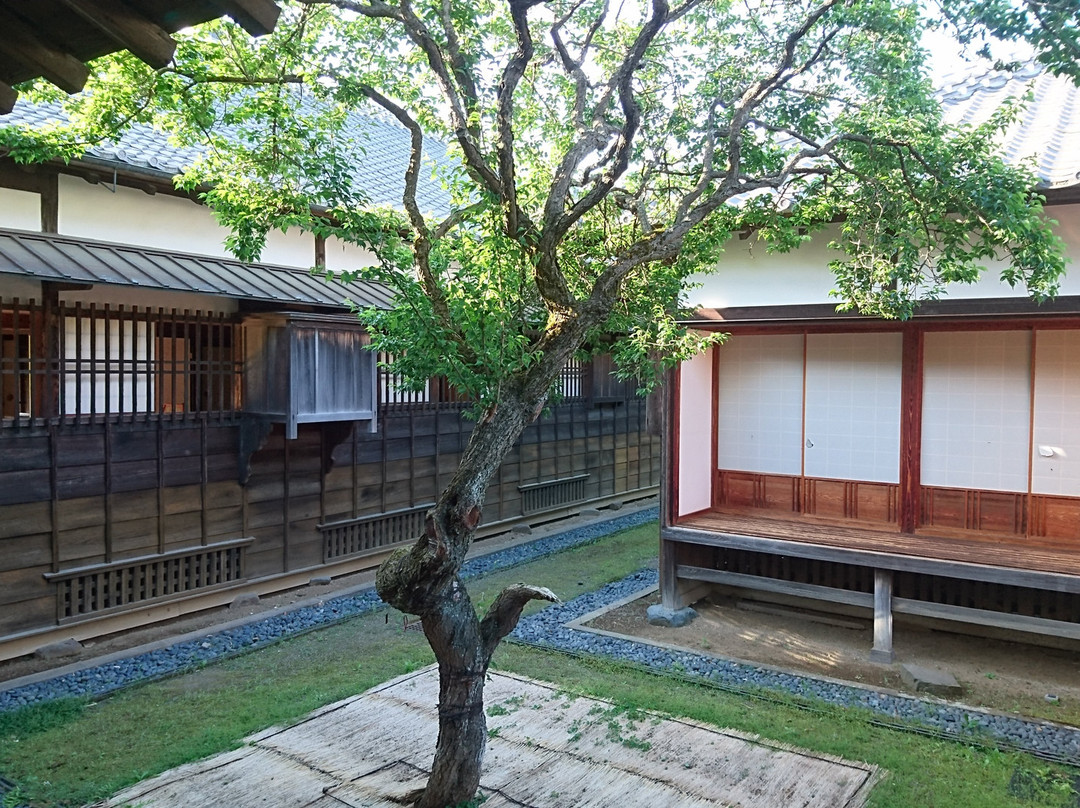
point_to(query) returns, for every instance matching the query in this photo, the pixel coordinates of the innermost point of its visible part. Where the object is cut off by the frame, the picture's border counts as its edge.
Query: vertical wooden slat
(108, 472)
(911, 398)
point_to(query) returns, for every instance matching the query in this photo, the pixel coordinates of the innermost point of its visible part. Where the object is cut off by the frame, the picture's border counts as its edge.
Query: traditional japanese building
(179, 427)
(928, 467)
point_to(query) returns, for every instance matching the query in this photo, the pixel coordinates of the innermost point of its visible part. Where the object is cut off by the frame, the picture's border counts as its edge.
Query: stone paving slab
(547, 749)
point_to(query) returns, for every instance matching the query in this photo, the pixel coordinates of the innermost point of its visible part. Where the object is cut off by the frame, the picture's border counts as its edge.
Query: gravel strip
(548, 629)
(180, 657)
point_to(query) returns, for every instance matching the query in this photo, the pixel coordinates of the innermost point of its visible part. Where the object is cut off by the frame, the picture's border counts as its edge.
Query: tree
(599, 157)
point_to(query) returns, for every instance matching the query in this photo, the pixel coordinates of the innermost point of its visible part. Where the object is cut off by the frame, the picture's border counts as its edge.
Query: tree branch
(504, 613)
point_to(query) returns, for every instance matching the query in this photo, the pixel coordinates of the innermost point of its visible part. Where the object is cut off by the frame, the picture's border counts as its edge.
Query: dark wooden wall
(75, 496)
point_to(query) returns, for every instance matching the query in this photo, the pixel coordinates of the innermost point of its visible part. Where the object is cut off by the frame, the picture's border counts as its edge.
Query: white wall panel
(853, 406)
(115, 296)
(695, 426)
(976, 410)
(20, 210)
(12, 286)
(1056, 433)
(760, 404)
(129, 216)
(747, 275)
(292, 249)
(342, 255)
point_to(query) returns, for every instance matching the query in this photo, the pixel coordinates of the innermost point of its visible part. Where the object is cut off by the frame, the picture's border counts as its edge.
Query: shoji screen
(1056, 425)
(853, 406)
(976, 410)
(760, 404)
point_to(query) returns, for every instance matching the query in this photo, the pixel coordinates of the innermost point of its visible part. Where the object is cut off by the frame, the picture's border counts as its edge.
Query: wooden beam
(758, 583)
(21, 45)
(50, 204)
(985, 617)
(8, 97)
(1050, 581)
(257, 17)
(918, 608)
(129, 29)
(883, 646)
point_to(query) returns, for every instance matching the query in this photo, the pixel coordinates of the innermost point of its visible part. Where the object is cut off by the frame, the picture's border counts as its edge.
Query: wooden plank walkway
(547, 749)
(1015, 553)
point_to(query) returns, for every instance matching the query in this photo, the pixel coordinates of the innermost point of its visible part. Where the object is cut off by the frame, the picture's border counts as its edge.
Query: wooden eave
(1004, 312)
(53, 39)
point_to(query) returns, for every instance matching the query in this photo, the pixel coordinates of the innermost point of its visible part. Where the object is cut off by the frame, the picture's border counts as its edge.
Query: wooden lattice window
(544, 496)
(364, 534)
(100, 588)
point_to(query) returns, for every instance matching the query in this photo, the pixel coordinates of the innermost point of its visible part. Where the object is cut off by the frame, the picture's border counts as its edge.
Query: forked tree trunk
(423, 580)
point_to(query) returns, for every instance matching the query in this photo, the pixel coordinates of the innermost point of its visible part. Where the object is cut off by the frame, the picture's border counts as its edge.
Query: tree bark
(423, 580)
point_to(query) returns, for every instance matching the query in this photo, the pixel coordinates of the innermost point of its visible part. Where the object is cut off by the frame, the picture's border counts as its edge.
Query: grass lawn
(72, 752)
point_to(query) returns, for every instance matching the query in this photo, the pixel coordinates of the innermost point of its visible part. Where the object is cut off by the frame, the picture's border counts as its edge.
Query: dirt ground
(1010, 677)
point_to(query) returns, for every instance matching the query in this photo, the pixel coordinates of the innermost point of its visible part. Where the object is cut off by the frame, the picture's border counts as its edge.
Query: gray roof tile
(383, 148)
(1048, 131)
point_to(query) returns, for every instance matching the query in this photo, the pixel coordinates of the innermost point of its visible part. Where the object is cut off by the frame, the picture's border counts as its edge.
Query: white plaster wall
(976, 410)
(341, 255)
(853, 406)
(1056, 423)
(747, 275)
(15, 286)
(695, 441)
(130, 216)
(761, 404)
(20, 210)
(149, 298)
(295, 249)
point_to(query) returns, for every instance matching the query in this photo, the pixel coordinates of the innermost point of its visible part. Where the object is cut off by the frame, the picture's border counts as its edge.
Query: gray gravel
(548, 628)
(183, 656)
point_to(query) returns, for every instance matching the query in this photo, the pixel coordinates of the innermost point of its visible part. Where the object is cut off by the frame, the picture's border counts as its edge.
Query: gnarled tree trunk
(423, 580)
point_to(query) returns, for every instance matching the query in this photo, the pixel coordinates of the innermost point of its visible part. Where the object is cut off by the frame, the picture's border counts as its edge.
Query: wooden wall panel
(1000, 513)
(768, 492)
(848, 499)
(175, 486)
(25, 453)
(17, 521)
(82, 545)
(1056, 519)
(27, 550)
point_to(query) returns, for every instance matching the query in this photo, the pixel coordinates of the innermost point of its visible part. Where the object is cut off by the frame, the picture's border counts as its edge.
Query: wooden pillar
(883, 633)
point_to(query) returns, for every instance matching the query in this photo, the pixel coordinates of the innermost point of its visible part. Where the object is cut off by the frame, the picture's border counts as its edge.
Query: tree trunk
(423, 580)
(455, 771)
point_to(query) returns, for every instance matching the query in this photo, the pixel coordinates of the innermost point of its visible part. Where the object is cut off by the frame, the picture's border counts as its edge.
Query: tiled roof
(379, 169)
(49, 257)
(1049, 129)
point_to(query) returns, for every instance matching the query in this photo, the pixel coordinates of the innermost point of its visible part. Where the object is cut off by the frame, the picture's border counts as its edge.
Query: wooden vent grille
(101, 587)
(549, 494)
(365, 534)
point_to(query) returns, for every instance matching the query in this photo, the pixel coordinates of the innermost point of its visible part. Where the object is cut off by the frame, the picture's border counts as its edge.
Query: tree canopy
(599, 155)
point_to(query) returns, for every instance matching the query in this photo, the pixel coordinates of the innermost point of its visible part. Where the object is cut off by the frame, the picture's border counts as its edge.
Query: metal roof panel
(44, 256)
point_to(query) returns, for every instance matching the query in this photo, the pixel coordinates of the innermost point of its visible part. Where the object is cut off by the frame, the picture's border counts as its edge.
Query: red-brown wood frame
(928, 510)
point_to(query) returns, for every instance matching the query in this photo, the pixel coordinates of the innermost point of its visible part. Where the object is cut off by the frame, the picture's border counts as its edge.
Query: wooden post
(883, 633)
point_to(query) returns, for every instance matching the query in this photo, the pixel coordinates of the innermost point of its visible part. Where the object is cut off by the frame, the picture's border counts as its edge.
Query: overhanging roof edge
(60, 255)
